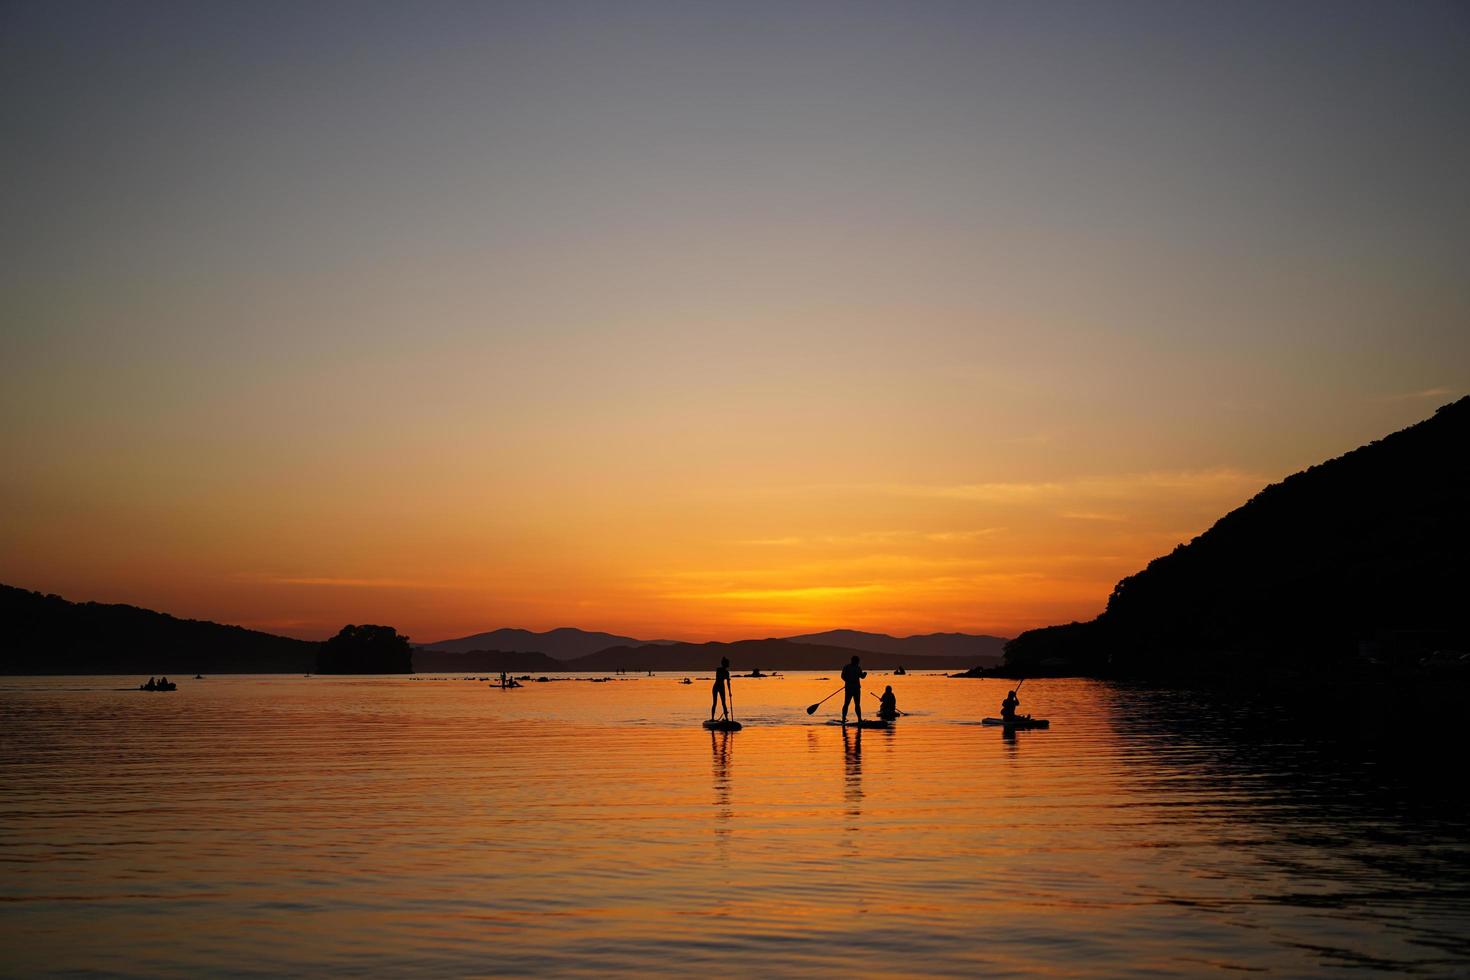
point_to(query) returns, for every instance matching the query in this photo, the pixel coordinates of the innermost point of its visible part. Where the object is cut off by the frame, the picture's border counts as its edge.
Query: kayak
(723, 725)
(865, 723)
(888, 717)
(1018, 722)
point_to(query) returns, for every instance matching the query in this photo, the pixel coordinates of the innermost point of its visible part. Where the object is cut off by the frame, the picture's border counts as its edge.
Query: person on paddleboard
(888, 704)
(852, 679)
(1008, 707)
(722, 685)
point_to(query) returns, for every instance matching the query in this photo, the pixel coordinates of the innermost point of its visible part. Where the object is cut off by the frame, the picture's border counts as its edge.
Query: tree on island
(366, 650)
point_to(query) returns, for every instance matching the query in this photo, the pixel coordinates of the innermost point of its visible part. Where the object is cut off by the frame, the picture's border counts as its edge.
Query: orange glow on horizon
(717, 563)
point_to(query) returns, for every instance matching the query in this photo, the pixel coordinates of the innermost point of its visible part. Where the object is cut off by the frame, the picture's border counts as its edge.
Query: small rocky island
(366, 650)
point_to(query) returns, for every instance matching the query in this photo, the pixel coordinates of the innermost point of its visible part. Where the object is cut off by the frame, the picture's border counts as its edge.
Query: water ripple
(402, 826)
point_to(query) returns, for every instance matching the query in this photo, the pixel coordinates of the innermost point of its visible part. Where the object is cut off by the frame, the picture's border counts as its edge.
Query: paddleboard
(1018, 723)
(866, 723)
(721, 725)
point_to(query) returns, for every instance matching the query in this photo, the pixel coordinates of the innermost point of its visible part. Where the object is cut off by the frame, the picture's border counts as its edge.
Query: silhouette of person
(717, 693)
(151, 685)
(852, 692)
(1008, 707)
(888, 704)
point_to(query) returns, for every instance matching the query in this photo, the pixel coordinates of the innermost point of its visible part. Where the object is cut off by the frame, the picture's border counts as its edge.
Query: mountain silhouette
(46, 634)
(747, 655)
(559, 643)
(1362, 556)
(967, 645)
(426, 661)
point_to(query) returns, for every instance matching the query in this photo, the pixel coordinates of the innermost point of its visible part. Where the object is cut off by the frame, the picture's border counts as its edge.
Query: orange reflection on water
(440, 824)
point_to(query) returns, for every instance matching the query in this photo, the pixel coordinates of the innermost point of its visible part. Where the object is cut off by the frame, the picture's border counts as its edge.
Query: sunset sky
(702, 320)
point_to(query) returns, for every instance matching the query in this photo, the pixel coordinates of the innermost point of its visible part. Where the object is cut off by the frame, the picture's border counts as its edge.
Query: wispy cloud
(799, 592)
(1114, 487)
(957, 537)
(329, 581)
(1423, 395)
(868, 538)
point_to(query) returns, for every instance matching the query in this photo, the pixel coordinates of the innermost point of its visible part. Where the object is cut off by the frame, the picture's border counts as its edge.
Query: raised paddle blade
(811, 709)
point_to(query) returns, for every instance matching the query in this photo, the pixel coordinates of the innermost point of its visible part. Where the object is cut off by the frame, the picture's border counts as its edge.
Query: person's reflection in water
(720, 768)
(852, 783)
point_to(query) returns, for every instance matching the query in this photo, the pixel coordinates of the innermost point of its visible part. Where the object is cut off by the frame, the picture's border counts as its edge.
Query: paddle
(811, 709)
(730, 693)
(895, 710)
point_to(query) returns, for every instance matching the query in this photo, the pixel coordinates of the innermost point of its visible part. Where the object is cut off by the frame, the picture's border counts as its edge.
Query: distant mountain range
(968, 645)
(1365, 557)
(745, 655)
(46, 634)
(563, 643)
(569, 644)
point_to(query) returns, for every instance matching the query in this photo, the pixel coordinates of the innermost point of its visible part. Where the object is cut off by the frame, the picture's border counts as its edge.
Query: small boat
(170, 686)
(686, 681)
(1025, 721)
(865, 723)
(723, 725)
(900, 672)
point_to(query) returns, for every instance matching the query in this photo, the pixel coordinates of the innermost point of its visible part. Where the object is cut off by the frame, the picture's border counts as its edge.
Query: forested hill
(1364, 555)
(46, 634)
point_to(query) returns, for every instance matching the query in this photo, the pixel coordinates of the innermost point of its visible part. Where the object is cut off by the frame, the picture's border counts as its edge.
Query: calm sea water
(403, 826)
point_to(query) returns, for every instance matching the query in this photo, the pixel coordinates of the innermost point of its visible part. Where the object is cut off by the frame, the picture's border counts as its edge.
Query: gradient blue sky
(702, 319)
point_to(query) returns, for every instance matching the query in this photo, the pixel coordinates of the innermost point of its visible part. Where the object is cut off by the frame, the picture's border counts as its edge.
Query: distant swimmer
(852, 692)
(888, 704)
(719, 691)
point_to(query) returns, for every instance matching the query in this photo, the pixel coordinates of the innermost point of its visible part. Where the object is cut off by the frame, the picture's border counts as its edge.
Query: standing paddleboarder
(852, 679)
(722, 685)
